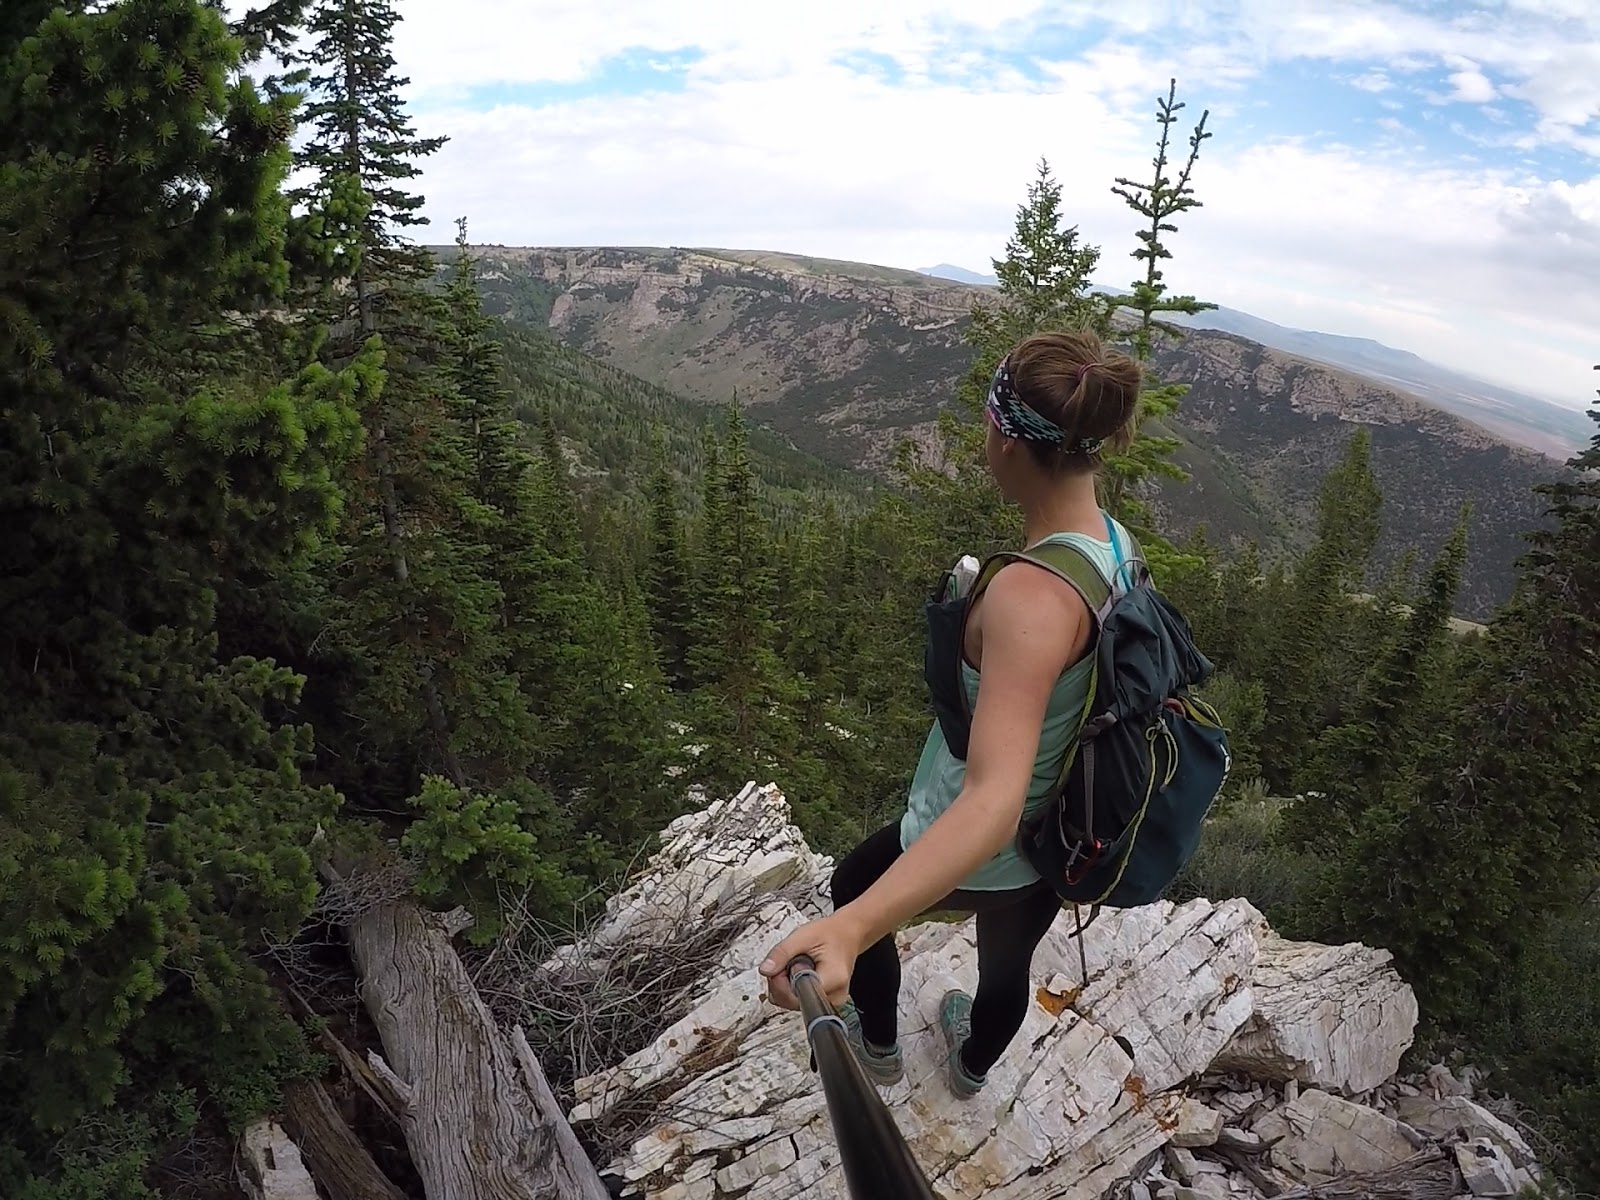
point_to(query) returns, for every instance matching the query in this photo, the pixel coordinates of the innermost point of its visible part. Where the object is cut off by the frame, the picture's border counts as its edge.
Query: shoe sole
(876, 1074)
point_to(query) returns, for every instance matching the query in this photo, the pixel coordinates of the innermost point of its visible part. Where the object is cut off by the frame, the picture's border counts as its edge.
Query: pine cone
(192, 79)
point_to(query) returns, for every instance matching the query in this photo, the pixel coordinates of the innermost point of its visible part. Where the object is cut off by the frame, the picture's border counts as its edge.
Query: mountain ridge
(848, 360)
(1527, 420)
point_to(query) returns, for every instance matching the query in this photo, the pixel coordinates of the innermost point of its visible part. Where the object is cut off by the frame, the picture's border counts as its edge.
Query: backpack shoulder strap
(1077, 569)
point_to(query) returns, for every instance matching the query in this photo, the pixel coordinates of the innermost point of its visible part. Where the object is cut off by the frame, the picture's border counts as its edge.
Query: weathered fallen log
(478, 1122)
(357, 1071)
(338, 1160)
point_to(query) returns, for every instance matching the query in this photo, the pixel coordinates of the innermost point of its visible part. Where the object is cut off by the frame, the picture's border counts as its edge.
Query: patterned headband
(1014, 419)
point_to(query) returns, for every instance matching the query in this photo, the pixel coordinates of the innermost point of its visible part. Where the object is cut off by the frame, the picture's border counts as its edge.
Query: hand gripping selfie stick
(878, 1164)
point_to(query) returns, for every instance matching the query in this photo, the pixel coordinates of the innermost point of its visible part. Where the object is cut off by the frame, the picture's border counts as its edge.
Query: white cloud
(772, 144)
(448, 47)
(1471, 86)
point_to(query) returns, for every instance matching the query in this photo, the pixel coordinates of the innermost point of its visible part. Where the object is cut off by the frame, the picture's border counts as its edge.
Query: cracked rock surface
(1198, 1037)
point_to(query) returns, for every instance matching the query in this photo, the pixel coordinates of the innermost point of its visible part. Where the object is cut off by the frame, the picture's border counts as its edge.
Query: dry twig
(1428, 1175)
(590, 1006)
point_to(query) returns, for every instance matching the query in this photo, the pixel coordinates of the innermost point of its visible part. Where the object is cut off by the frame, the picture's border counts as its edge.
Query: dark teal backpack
(1149, 757)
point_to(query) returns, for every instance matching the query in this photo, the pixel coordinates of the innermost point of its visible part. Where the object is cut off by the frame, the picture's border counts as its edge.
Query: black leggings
(1010, 927)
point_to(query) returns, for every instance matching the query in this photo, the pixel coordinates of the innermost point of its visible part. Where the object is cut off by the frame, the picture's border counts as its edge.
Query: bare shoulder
(1022, 586)
(1035, 612)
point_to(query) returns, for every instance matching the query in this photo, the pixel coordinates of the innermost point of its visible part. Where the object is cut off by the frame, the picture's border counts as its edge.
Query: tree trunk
(338, 1161)
(478, 1118)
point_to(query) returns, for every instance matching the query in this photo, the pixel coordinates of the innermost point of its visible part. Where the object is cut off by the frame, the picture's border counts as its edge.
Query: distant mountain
(1549, 428)
(959, 275)
(1526, 420)
(846, 360)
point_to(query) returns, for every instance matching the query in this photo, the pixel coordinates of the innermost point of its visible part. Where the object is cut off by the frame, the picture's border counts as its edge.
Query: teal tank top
(940, 774)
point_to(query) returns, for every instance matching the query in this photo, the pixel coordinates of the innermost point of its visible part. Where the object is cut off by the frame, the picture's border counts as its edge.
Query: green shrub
(1242, 704)
(1239, 856)
(1542, 1044)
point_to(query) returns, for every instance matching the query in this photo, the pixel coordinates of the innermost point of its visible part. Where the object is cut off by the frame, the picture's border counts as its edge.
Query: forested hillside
(322, 587)
(848, 359)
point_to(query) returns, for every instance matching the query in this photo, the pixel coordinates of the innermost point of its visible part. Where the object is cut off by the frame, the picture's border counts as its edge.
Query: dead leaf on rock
(1056, 1003)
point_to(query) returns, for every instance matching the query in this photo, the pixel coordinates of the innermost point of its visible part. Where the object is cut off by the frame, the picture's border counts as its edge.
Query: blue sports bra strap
(1116, 548)
(1116, 541)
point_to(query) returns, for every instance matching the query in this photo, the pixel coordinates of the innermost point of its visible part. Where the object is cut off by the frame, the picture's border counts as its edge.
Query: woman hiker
(1056, 405)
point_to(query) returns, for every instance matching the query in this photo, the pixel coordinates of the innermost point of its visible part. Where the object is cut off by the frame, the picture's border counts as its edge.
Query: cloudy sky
(1423, 172)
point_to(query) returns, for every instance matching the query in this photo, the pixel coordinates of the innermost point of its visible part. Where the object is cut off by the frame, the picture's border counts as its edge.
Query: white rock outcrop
(1197, 1039)
(1447, 1116)
(1320, 1136)
(1330, 1017)
(270, 1166)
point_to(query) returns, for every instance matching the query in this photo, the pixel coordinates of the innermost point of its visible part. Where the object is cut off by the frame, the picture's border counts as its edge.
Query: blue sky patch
(634, 71)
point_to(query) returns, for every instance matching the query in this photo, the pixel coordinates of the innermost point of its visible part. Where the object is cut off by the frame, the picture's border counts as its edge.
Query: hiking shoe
(883, 1067)
(955, 1020)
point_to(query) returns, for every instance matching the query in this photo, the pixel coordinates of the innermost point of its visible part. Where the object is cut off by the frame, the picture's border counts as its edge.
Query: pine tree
(565, 534)
(810, 602)
(1504, 833)
(743, 693)
(667, 573)
(363, 138)
(1043, 282)
(589, 765)
(1044, 285)
(1160, 201)
(1311, 658)
(1392, 724)
(1479, 830)
(436, 674)
(154, 825)
(413, 605)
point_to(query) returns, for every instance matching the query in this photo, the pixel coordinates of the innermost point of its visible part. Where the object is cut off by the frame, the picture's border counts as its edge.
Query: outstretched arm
(1032, 627)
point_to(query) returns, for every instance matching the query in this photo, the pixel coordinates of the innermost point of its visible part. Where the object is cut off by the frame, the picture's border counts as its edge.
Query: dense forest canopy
(308, 560)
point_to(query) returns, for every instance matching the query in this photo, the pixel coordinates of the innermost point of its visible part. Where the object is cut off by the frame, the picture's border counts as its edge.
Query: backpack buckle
(1088, 860)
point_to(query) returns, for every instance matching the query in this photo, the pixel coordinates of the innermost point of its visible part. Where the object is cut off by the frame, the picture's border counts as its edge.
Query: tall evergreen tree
(1045, 284)
(154, 825)
(1312, 660)
(451, 635)
(413, 604)
(667, 573)
(565, 533)
(1506, 832)
(1159, 202)
(1392, 726)
(743, 693)
(1458, 875)
(363, 138)
(575, 655)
